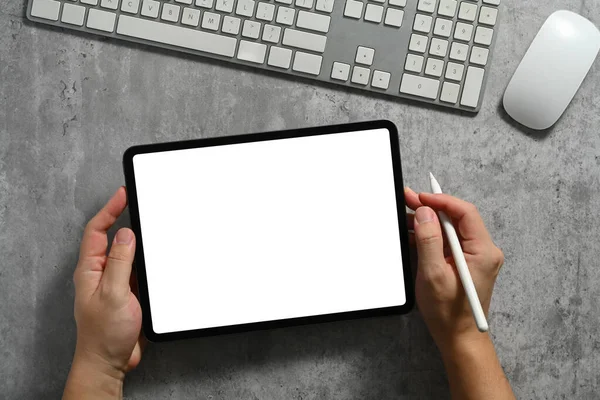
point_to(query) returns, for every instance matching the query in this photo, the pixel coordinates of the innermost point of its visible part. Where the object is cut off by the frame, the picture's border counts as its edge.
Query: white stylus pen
(461, 263)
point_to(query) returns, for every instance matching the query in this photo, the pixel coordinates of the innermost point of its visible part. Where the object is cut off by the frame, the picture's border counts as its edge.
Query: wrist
(465, 344)
(92, 377)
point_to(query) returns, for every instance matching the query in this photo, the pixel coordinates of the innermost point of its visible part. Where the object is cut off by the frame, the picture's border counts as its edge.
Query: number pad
(461, 30)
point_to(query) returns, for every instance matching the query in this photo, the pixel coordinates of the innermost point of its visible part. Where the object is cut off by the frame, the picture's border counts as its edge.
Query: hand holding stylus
(440, 294)
(472, 366)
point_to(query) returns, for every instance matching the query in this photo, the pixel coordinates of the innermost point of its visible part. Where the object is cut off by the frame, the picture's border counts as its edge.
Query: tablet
(268, 230)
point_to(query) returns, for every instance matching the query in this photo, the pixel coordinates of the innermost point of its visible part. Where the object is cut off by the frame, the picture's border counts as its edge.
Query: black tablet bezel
(228, 140)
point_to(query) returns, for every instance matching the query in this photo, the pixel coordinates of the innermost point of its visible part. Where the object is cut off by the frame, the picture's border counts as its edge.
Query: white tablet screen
(269, 230)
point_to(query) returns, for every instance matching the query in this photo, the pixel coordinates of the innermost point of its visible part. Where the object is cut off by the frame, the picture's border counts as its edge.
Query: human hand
(440, 295)
(107, 312)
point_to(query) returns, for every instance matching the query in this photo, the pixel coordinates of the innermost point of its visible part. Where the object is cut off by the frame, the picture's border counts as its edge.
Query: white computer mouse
(552, 70)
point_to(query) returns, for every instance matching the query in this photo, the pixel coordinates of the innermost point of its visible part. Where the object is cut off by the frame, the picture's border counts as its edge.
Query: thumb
(428, 235)
(119, 263)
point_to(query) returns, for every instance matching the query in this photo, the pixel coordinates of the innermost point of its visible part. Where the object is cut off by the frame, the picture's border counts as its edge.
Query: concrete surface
(72, 103)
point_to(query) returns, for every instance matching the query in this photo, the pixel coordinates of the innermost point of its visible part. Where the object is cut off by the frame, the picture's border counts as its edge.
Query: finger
(94, 242)
(410, 221)
(412, 199)
(469, 222)
(119, 262)
(430, 246)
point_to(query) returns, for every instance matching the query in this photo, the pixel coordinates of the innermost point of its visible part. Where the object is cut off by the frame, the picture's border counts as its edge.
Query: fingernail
(424, 215)
(124, 236)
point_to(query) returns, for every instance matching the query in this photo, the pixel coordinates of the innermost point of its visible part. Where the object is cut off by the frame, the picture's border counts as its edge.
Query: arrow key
(361, 75)
(364, 55)
(340, 71)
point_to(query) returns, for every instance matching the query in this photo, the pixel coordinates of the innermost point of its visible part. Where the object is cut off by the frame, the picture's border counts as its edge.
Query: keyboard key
(479, 56)
(422, 23)
(373, 13)
(484, 35)
(170, 12)
(426, 6)
(472, 88)
(245, 8)
(468, 11)
(443, 27)
(379, 1)
(176, 36)
(438, 47)
(90, 2)
(450, 93)
(46, 9)
(353, 9)
(231, 25)
(211, 21)
(224, 5)
(252, 52)
(150, 8)
(279, 57)
(492, 2)
(304, 40)
(73, 14)
(419, 86)
(459, 51)
(340, 71)
(285, 16)
(434, 67)
(271, 33)
(288, 2)
(101, 20)
(324, 6)
(463, 32)
(414, 63)
(447, 8)
(130, 6)
(265, 11)
(110, 4)
(488, 16)
(307, 63)
(313, 22)
(418, 43)
(454, 71)
(304, 4)
(191, 17)
(188, 2)
(364, 55)
(204, 3)
(361, 75)
(393, 17)
(397, 3)
(251, 29)
(381, 80)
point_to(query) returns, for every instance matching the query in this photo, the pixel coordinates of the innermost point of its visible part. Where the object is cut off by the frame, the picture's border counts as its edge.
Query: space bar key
(176, 36)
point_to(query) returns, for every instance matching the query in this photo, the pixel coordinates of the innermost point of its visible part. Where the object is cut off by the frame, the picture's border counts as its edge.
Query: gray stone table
(72, 103)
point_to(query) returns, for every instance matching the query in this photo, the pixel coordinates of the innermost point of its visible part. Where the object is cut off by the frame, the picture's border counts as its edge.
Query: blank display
(269, 230)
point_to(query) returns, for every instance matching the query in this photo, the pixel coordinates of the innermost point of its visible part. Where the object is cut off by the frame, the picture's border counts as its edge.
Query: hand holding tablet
(319, 238)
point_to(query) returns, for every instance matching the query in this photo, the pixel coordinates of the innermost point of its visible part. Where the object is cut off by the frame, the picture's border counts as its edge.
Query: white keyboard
(437, 51)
